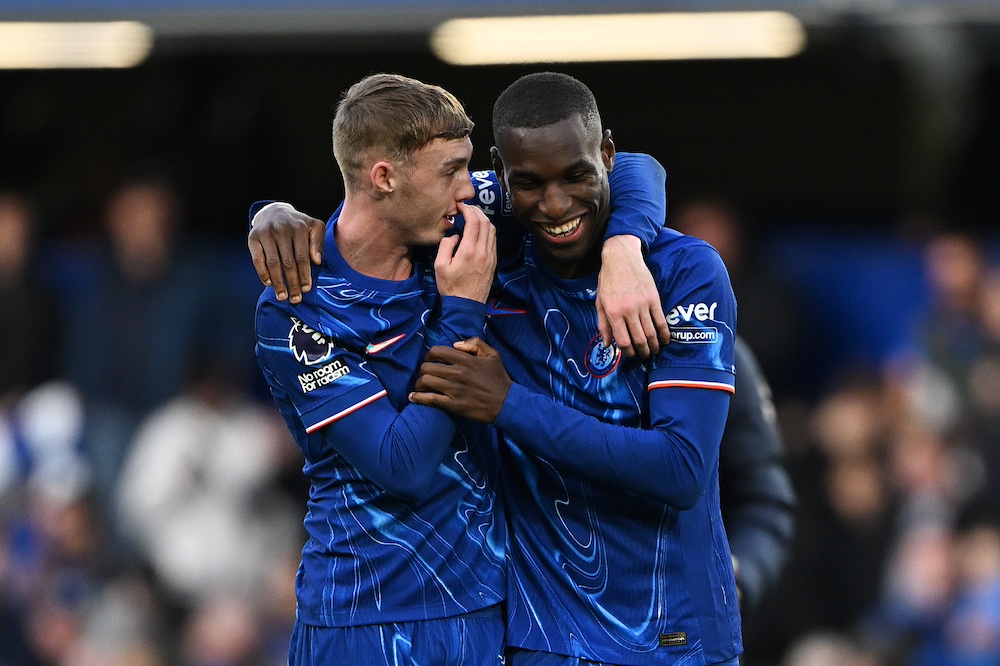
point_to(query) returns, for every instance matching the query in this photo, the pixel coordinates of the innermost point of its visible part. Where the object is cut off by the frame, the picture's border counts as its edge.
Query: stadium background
(846, 163)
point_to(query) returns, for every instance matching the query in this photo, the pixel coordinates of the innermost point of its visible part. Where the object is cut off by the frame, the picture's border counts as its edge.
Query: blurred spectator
(769, 312)
(971, 633)
(198, 493)
(983, 426)
(843, 532)
(950, 337)
(29, 321)
(136, 305)
(222, 632)
(828, 648)
(40, 444)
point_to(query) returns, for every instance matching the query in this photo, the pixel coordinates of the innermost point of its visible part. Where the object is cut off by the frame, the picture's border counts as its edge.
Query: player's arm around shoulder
(282, 242)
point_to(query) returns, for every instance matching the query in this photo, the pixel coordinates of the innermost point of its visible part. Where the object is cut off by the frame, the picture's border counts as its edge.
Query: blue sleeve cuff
(516, 402)
(461, 318)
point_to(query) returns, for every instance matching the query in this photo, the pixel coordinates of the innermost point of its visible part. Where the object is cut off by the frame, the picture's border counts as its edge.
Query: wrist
(622, 243)
(267, 207)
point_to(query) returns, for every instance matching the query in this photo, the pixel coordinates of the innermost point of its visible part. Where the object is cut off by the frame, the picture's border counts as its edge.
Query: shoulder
(674, 254)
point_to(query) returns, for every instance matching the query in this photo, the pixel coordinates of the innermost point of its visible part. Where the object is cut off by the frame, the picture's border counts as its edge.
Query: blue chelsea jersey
(340, 364)
(599, 567)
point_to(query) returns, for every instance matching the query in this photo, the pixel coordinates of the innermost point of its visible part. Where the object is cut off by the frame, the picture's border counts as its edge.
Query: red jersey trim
(688, 383)
(353, 408)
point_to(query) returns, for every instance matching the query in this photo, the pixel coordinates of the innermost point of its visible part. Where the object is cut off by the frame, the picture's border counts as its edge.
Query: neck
(368, 243)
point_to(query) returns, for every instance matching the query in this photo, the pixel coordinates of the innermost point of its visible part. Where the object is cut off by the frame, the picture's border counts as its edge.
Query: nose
(465, 191)
(555, 202)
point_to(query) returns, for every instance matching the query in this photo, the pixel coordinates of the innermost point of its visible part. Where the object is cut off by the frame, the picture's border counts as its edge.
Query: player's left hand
(468, 380)
(628, 302)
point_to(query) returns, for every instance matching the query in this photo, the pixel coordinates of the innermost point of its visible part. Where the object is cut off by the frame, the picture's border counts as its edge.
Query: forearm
(638, 197)
(399, 451)
(671, 463)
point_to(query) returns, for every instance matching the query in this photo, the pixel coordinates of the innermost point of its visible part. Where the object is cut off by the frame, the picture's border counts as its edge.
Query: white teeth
(564, 229)
(450, 218)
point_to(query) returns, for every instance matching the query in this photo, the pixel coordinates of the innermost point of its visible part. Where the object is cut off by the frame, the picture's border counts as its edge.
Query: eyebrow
(454, 162)
(531, 175)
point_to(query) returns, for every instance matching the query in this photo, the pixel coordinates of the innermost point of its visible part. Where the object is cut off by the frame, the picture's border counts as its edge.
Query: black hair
(541, 99)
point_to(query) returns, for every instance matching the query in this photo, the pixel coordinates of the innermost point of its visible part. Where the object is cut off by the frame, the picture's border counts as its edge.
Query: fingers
(429, 399)
(647, 332)
(445, 253)
(470, 212)
(603, 324)
(317, 239)
(298, 271)
(475, 347)
(286, 268)
(257, 254)
(282, 262)
(431, 379)
(443, 355)
(473, 224)
(620, 334)
(660, 324)
(272, 260)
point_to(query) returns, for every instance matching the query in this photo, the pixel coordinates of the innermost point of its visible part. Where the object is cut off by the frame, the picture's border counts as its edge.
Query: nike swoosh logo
(493, 309)
(374, 349)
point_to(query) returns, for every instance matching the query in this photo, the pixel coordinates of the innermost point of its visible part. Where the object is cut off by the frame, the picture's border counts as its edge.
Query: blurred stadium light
(36, 45)
(618, 37)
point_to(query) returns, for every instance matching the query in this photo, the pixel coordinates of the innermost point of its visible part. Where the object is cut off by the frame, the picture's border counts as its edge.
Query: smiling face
(429, 187)
(557, 178)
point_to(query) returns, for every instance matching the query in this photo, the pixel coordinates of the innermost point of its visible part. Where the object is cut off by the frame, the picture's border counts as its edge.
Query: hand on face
(464, 267)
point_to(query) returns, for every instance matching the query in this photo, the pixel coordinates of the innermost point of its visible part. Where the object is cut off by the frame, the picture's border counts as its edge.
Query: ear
(608, 150)
(383, 177)
(498, 167)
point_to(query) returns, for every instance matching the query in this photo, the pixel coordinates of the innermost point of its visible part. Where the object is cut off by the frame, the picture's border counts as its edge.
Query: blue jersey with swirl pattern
(403, 518)
(610, 465)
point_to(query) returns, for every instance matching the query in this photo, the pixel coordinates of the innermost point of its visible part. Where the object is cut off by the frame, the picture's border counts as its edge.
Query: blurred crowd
(896, 463)
(151, 501)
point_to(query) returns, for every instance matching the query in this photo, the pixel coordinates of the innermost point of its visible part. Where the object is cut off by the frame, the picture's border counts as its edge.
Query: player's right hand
(464, 267)
(281, 243)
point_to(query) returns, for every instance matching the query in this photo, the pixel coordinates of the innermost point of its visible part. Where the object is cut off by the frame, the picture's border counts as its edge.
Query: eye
(578, 177)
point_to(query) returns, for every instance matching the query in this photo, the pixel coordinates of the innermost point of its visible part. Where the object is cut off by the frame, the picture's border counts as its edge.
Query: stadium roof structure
(185, 20)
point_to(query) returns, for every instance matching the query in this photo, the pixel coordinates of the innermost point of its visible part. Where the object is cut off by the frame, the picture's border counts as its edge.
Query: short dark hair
(393, 114)
(541, 99)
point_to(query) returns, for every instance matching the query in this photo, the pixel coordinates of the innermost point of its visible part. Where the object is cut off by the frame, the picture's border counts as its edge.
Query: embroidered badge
(600, 360)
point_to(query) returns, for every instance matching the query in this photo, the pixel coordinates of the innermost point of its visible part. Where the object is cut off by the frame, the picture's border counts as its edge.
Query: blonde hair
(394, 115)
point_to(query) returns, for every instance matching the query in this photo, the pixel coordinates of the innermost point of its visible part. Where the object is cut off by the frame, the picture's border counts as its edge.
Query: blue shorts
(519, 657)
(473, 639)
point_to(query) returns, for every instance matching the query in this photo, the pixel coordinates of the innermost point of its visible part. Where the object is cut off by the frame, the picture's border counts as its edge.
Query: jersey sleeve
(461, 318)
(670, 462)
(701, 313)
(638, 197)
(343, 406)
(690, 383)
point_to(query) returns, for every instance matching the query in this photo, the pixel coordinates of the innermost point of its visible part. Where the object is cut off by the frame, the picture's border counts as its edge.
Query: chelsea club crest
(600, 360)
